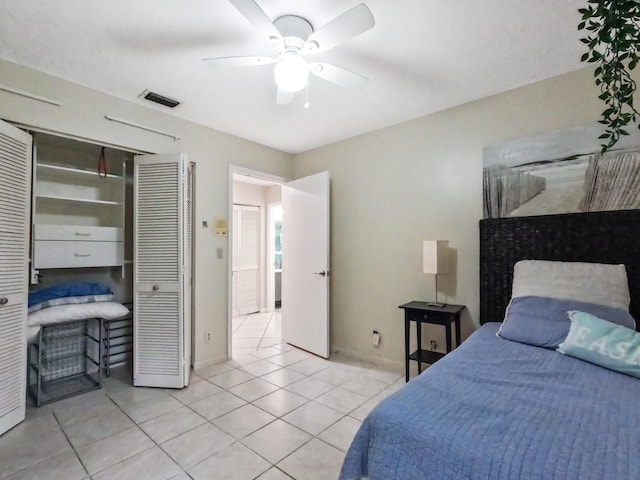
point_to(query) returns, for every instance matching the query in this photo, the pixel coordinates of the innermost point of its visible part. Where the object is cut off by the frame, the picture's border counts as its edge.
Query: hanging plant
(613, 38)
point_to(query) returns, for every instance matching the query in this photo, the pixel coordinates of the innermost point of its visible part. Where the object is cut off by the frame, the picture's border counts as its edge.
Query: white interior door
(15, 187)
(247, 256)
(305, 273)
(162, 271)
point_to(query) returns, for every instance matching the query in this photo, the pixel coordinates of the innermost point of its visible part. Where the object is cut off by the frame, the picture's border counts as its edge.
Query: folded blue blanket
(67, 290)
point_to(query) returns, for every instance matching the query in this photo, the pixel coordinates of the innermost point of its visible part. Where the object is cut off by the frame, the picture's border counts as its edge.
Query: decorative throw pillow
(603, 343)
(585, 282)
(544, 322)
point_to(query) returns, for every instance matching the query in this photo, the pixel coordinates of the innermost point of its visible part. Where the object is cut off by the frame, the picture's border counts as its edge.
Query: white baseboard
(211, 361)
(379, 361)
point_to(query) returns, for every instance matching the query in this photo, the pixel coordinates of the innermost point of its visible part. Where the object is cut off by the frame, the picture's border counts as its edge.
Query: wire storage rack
(117, 341)
(65, 361)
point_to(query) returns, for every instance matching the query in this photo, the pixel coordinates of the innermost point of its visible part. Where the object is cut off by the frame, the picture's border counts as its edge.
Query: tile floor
(271, 413)
(258, 330)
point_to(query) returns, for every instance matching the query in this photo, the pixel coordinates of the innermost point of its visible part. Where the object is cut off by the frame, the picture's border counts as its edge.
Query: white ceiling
(422, 56)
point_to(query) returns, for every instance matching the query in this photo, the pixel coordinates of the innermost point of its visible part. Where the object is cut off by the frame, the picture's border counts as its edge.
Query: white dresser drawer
(78, 232)
(60, 254)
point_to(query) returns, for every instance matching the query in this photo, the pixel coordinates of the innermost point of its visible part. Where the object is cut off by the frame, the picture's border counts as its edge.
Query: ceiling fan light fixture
(291, 73)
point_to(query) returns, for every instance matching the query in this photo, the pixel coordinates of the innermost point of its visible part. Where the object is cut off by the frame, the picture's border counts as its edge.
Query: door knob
(4, 301)
(155, 288)
(322, 273)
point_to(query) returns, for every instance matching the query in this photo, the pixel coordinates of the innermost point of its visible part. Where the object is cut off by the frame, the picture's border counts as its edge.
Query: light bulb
(291, 72)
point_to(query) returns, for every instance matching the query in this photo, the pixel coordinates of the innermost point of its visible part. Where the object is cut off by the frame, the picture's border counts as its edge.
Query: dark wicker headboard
(600, 237)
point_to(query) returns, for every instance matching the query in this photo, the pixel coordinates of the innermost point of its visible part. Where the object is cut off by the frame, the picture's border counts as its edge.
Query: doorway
(255, 263)
(305, 265)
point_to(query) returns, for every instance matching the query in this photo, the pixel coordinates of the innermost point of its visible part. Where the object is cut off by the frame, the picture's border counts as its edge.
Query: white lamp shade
(291, 73)
(435, 258)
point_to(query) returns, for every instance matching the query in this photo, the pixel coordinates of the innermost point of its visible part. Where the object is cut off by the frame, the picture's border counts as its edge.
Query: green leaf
(612, 40)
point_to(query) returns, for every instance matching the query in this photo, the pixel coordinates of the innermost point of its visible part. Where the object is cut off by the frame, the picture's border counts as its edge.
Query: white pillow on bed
(597, 283)
(64, 313)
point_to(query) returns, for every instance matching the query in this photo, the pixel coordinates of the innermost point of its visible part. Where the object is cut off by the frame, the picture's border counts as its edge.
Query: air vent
(161, 99)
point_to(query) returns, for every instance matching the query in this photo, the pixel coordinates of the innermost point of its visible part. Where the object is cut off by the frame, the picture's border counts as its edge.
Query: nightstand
(422, 312)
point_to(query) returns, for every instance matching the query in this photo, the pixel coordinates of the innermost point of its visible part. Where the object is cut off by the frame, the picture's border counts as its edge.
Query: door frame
(237, 170)
(271, 273)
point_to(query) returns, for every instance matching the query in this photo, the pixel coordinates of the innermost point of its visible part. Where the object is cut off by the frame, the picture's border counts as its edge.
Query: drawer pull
(81, 234)
(82, 254)
(155, 288)
(4, 301)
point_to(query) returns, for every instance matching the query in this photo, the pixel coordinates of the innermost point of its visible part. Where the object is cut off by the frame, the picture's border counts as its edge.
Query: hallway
(254, 331)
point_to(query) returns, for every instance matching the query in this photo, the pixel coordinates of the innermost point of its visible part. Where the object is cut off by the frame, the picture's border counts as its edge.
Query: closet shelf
(70, 172)
(78, 200)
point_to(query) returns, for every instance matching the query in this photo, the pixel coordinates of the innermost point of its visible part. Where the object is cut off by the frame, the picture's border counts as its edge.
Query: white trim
(378, 361)
(235, 169)
(93, 141)
(249, 172)
(211, 361)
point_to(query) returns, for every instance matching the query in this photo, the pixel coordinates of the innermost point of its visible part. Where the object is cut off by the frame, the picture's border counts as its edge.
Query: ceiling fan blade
(230, 62)
(284, 98)
(256, 17)
(338, 75)
(344, 27)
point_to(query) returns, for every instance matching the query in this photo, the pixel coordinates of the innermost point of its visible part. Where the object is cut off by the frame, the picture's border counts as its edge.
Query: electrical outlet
(375, 339)
(434, 345)
(207, 336)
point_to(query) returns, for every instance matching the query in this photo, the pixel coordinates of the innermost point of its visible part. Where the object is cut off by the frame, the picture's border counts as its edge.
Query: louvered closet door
(15, 186)
(161, 219)
(247, 258)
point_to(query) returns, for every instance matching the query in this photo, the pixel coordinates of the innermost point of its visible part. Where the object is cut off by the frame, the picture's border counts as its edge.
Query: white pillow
(64, 313)
(585, 282)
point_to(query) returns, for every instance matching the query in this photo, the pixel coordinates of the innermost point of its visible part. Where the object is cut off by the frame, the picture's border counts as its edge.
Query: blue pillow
(76, 289)
(602, 343)
(544, 322)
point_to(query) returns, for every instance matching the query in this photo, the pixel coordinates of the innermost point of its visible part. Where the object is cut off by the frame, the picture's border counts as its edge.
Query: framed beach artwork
(561, 172)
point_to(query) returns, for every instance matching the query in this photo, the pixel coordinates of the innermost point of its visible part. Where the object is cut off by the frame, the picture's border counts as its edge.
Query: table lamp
(435, 261)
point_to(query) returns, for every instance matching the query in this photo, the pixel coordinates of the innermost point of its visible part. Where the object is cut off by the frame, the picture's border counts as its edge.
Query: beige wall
(422, 180)
(82, 114)
(391, 189)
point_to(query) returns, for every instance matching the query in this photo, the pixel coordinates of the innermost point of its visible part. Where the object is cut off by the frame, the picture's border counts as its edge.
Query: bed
(498, 409)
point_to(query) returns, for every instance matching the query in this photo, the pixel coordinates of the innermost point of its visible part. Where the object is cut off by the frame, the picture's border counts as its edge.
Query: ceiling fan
(294, 38)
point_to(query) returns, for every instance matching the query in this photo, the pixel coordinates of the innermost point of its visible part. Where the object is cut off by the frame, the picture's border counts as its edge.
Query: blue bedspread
(499, 410)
